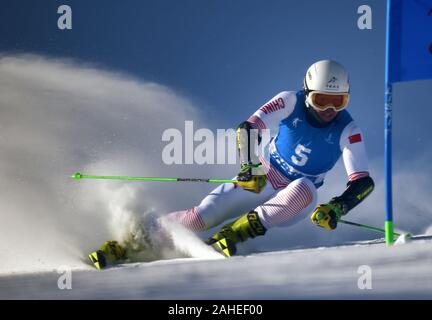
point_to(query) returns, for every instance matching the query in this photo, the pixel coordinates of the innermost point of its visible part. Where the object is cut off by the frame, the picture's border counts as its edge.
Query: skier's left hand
(251, 178)
(327, 215)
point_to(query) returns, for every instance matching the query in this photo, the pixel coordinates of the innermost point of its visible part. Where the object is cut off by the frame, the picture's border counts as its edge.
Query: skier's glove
(327, 215)
(254, 182)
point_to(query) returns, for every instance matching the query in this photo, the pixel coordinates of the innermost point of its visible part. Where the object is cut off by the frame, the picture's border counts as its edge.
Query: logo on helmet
(332, 83)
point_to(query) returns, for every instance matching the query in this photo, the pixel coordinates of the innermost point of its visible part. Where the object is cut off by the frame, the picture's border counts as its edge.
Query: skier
(310, 129)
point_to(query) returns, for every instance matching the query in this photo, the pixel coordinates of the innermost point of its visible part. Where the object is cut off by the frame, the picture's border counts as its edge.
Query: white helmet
(327, 77)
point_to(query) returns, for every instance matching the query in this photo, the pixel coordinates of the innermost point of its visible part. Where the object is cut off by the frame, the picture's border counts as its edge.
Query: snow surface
(399, 272)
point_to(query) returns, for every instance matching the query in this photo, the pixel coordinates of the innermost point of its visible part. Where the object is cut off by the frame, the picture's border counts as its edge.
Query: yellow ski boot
(245, 227)
(109, 253)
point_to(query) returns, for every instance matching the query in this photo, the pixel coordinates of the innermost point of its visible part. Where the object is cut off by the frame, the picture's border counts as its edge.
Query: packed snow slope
(60, 116)
(399, 272)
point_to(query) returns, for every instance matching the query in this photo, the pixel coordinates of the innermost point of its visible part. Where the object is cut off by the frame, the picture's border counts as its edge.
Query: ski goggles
(322, 101)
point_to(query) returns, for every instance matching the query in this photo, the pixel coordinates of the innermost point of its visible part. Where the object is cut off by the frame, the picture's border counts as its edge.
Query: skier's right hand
(251, 178)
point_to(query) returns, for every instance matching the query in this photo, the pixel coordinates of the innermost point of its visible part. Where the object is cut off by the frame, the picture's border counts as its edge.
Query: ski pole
(79, 176)
(367, 227)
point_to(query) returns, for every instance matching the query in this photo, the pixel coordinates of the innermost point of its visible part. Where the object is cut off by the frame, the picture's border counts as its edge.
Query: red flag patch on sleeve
(355, 138)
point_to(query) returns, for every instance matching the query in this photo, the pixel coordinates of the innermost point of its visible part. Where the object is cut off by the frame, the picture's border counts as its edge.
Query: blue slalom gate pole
(389, 226)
